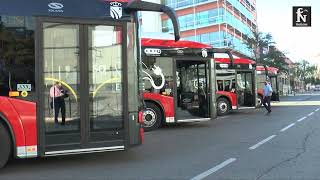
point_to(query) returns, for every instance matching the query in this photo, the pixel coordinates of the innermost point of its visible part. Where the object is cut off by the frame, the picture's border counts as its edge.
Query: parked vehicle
(236, 84)
(270, 74)
(74, 60)
(179, 81)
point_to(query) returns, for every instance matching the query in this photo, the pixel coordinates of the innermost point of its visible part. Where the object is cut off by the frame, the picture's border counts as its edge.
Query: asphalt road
(243, 145)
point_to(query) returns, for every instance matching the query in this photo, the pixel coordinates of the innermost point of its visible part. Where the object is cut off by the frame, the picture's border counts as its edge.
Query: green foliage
(306, 71)
(265, 51)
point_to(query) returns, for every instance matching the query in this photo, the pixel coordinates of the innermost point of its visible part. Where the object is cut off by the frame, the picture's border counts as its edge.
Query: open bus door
(245, 88)
(192, 94)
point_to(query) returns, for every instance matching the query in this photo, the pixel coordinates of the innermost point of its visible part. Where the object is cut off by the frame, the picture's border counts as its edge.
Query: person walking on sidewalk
(267, 93)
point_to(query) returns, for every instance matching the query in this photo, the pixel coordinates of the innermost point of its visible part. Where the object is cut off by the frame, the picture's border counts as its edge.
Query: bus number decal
(23, 87)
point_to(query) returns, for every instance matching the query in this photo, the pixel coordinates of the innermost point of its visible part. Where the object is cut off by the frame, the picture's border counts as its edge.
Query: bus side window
(227, 85)
(220, 85)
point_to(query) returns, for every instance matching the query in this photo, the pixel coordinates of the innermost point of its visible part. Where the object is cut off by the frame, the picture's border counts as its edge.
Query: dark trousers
(59, 104)
(266, 103)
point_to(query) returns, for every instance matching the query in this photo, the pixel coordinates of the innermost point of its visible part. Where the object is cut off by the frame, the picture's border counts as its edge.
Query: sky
(275, 17)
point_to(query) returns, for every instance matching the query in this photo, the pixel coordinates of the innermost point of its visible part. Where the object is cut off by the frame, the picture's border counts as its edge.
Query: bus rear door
(246, 93)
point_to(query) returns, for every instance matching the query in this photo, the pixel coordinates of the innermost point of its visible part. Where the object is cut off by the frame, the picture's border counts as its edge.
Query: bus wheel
(223, 106)
(259, 101)
(5, 144)
(151, 117)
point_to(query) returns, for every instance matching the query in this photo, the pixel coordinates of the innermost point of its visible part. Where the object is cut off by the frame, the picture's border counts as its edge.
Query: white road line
(310, 114)
(223, 117)
(214, 169)
(301, 119)
(286, 128)
(262, 142)
(317, 110)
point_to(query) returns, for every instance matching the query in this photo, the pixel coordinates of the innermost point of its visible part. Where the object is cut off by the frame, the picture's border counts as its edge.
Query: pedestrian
(267, 93)
(57, 95)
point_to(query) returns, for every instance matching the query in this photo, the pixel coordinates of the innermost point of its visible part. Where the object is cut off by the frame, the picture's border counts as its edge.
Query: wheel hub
(223, 106)
(149, 117)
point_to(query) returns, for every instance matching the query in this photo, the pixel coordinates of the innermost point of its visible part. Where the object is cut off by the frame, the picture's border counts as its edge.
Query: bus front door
(192, 100)
(81, 99)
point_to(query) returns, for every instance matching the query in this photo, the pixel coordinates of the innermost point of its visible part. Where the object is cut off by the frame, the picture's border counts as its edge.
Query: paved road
(244, 145)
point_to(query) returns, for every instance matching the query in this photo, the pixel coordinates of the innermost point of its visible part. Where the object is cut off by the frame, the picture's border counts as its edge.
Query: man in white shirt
(267, 93)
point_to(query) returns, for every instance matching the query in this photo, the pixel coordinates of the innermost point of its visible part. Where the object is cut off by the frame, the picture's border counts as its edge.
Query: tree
(265, 51)
(306, 71)
(276, 58)
(259, 43)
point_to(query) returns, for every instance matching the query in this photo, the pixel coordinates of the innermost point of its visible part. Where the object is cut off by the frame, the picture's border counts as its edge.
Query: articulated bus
(236, 84)
(77, 60)
(179, 80)
(270, 74)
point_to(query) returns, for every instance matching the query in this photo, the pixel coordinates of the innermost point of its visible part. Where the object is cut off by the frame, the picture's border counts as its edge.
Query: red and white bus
(179, 82)
(69, 75)
(270, 74)
(236, 84)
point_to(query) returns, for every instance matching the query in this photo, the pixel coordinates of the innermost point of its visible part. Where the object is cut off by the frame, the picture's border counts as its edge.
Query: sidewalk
(309, 93)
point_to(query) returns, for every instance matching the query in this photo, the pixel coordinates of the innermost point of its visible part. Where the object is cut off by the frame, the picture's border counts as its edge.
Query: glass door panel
(245, 91)
(105, 79)
(61, 80)
(249, 92)
(192, 90)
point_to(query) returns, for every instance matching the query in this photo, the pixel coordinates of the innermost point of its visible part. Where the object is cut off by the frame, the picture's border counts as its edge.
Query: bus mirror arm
(138, 5)
(266, 71)
(227, 51)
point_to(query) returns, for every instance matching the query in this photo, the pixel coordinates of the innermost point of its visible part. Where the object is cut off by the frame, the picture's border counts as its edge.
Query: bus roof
(270, 69)
(170, 43)
(236, 61)
(100, 9)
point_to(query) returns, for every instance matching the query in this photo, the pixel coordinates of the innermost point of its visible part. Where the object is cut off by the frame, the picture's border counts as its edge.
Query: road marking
(262, 142)
(317, 110)
(301, 119)
(310, 114)
(214, 169)
(223, 117)
(286, 128)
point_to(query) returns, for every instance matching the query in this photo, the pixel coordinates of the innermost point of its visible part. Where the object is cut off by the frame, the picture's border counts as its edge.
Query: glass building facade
(224, 23)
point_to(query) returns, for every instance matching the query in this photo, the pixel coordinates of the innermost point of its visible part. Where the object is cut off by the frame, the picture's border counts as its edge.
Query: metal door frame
(84, 122)
(210, 88)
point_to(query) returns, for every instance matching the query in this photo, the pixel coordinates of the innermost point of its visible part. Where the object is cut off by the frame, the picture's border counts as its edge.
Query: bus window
(220, 85)
(158, 76)
(17, 59)
(261, 78)
(248, 82)
(105, 77)
(227, 85)
(61, 66)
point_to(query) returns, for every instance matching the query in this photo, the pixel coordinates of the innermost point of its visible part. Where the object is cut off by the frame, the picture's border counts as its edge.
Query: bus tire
(223, 106)
(152, 117)
(5, 145)
(259, 101)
